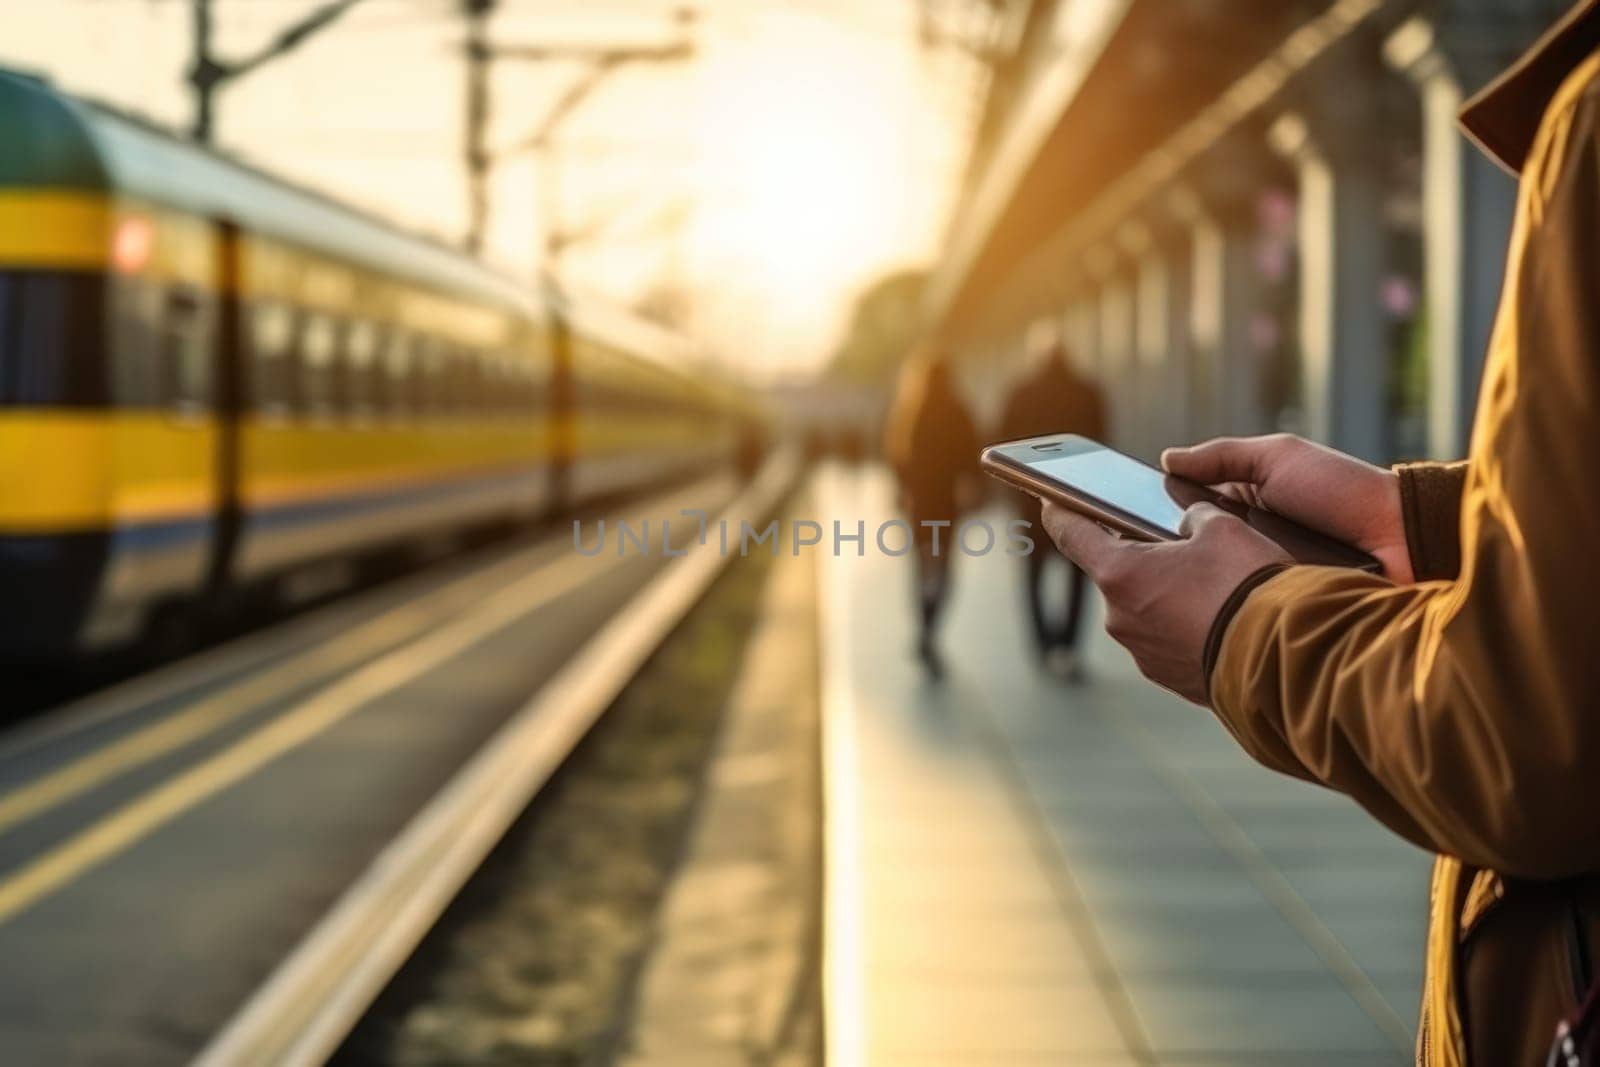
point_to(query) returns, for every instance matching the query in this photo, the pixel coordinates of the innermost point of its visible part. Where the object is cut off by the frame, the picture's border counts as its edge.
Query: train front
(61, 472)
(55, 241)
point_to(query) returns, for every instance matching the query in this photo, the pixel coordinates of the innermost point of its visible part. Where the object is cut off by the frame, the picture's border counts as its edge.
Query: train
(213, 381)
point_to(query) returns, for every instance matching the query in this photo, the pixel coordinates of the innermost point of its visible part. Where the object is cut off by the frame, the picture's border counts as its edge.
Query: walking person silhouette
(1053, 398)
(932, 443)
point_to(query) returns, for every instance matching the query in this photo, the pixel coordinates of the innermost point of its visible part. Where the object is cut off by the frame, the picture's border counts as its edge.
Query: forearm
(1275, 684)
(1411, 701)
(1465, 712)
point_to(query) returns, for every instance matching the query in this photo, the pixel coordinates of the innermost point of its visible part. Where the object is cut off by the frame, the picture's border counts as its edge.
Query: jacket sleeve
(1464, 712)
(1430, 503)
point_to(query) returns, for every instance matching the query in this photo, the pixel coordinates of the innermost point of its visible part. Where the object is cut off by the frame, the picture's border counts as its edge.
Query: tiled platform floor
(1022, 871)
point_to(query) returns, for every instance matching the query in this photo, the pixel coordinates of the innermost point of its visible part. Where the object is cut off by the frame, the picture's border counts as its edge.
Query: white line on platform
(241, 655)
(310, 1002)
(844, 979)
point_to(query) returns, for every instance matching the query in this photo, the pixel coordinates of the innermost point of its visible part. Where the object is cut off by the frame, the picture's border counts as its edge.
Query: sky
(806, 148)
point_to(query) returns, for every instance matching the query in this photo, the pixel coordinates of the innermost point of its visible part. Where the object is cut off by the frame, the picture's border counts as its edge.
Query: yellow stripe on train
(63, 471)
(55, 229)
(69, 471)
(286, 462)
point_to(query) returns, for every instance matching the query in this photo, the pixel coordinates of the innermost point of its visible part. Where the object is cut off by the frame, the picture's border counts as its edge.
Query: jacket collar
(1504, 116)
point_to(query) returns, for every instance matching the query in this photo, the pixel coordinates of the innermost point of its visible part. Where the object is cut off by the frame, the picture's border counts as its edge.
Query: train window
(421, 368)
(271, 349)
(536, 383)
(474, 396)
(361, 366)
(516, 382)
(136, 331)
(442, 378)
(397, 367)
(530, 380)
(432, 393)
(520, 373)
(53, 329)
(319, 364)
(503, 384)
(466, 376)
(452, 376)
(456, 377)
(490, 386)
(507, 382)
(186, 350)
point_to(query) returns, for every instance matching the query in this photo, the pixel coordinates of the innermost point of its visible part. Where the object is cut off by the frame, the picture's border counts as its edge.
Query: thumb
(1080, 538)
(1197, 517)
(1223, 459)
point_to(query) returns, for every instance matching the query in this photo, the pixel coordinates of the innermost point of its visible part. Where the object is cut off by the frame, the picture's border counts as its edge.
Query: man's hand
(1328, 491)
(1162, 598)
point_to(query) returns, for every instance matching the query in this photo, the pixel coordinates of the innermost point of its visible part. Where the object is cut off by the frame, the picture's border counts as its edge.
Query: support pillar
(1082, 334)
(1217, 204)
(1179, 423)
(1168, 348)
(1467, 207)
(1344, 347)
(1150, 285)
(1226, 369)
(1116, 370)
(1161, 344)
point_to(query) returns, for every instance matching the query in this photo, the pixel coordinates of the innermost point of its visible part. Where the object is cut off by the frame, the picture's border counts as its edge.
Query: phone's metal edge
(1015, 473)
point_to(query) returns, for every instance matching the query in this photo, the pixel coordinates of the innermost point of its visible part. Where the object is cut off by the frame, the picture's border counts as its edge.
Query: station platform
(1022, 870)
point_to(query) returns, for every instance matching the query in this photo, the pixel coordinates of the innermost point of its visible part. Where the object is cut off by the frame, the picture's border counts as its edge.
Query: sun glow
(808, 164)
(807, 148)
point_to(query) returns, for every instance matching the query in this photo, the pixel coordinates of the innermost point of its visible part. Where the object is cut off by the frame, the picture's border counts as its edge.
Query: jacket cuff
(1430, 507)
(1230, 608)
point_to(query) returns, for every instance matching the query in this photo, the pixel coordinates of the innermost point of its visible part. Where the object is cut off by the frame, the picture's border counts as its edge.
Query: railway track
(227, 860)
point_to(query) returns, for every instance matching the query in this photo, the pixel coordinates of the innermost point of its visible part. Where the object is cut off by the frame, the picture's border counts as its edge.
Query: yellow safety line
(234, 701)
(78, 777)
(154, 808)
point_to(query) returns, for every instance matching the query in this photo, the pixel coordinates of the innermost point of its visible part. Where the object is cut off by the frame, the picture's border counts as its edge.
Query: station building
(1240, 215)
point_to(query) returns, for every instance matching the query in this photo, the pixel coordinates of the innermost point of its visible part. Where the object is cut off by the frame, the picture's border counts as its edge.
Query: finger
(1198, 516)
(1208, 520)
(1224, 459)
(1244, 494)
(1081, 539)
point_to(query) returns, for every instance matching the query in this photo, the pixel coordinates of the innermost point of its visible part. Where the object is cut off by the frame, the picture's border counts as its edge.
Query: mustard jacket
(1464, 711)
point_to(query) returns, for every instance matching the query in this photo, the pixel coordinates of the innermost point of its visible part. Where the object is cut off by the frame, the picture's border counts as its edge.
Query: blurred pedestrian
(933, 446)
(1053, 398)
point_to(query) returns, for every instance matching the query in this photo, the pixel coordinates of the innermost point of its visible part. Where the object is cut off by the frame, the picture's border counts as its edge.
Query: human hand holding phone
(1226, 510)
(1315, 486)
(1162, 596)
(1146, 504)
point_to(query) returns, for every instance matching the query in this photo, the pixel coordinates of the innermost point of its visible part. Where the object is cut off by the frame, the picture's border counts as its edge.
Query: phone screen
(1120, 481)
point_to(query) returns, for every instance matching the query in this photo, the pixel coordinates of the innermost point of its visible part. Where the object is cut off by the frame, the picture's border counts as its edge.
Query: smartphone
(1137, 500)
